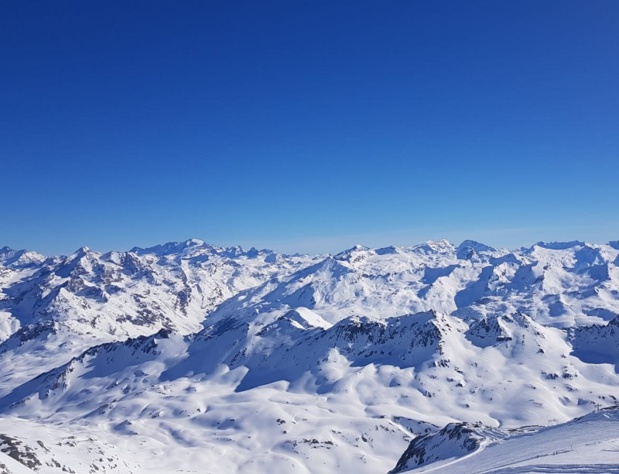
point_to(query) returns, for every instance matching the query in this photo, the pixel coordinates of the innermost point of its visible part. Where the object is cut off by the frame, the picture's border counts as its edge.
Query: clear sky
(307, 125)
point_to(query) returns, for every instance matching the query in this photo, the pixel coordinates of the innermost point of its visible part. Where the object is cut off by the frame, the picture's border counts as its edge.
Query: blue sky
(308, 125)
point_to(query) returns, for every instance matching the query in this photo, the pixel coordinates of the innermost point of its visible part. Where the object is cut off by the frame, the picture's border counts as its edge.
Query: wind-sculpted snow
(250, 361)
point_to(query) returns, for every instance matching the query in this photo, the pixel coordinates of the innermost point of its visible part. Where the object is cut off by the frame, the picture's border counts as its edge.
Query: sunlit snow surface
(191, 358)
(587, 445)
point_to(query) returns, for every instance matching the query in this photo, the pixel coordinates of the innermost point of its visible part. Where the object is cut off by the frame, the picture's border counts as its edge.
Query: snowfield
(187, 357)
(586, 445)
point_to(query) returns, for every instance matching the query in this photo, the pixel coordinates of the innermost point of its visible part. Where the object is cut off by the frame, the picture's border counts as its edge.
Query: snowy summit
(190, 357)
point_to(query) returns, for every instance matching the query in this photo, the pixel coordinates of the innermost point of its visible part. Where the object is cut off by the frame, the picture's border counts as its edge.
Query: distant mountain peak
(560, 245)
(194, 242)
(478, 246)
(352, 254)
(19, 258)
(80, 252)
(441, 246)
(321, 358)
(467, 249)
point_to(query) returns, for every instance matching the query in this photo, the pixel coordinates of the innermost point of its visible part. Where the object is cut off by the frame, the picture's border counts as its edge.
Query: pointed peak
(348, 253)
(8, 255)
(19, 258)
(81, 252)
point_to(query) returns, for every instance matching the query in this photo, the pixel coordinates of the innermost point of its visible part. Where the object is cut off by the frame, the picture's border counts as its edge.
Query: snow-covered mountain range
(187, 357)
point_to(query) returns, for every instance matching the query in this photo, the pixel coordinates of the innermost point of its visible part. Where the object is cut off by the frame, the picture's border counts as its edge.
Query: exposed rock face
(454, 440)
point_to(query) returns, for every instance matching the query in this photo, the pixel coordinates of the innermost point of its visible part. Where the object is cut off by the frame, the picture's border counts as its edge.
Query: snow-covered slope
(455, 440)
(586, 445)
(130, 293)
(27, 447)
(253, 361)
(558, 285)
(61, 306)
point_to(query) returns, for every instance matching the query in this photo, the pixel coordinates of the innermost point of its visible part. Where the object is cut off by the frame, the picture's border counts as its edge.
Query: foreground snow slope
(186, 357)
(586, 445)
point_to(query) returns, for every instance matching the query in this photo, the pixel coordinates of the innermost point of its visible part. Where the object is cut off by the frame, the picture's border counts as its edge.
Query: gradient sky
(307, 125)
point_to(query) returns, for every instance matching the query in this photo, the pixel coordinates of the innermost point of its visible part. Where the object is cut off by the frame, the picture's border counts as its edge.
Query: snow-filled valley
(187, 357)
